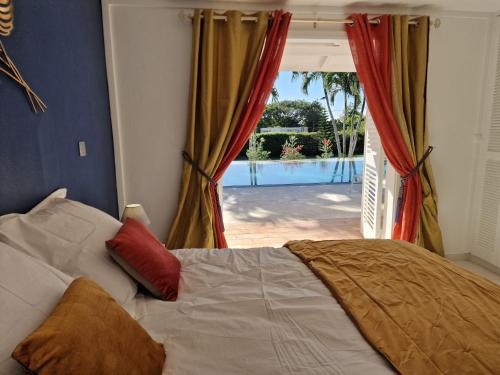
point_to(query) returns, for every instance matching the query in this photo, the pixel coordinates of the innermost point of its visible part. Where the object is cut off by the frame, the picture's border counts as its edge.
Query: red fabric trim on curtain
(371, 51)
(268, 69)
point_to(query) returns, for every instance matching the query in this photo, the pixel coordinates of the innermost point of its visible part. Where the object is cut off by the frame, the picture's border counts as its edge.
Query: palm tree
(330, 89)
(350, 85)
(333, 83)
(357, 93)
(354, 134)
(275, 95)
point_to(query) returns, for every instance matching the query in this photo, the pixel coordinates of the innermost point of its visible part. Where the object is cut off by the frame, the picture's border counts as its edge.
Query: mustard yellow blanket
(423, 313)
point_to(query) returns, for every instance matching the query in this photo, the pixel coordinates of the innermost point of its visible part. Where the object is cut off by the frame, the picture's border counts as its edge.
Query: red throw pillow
(144, 257)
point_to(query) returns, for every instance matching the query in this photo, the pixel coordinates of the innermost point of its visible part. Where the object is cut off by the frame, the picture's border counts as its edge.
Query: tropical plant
(330, 90)
(291, 150)
(256, 148)
(275, 96)
(347, 82)
(333, 83)
(356, 117)
(310, 141)
(326, 149)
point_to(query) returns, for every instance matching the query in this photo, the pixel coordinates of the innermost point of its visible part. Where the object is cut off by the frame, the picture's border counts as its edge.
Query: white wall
(148, 55)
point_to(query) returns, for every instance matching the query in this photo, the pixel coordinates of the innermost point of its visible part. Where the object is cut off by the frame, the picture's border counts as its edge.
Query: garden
(321, 134)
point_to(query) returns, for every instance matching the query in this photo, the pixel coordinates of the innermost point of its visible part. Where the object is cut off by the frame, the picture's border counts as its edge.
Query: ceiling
(325, 55)
(325, 48)
(449, 5)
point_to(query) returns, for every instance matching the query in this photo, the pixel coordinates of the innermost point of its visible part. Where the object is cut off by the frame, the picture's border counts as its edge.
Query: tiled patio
(270, 216)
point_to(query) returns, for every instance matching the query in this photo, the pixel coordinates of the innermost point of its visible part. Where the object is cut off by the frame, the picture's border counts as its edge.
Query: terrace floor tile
(271, 216)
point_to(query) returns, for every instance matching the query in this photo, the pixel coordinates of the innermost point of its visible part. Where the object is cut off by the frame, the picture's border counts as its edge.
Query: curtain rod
(436, 23)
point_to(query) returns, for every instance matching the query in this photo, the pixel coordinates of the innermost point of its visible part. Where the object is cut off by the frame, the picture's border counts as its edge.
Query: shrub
(326, 149)
(275, 141)
(311, 142)
(256, 148)
(291, 150)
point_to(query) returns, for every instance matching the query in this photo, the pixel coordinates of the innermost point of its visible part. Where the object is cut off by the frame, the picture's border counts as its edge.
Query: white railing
(300, 129)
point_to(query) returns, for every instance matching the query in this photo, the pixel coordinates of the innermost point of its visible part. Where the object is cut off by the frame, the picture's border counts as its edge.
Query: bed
(260, 310)
(254, 311)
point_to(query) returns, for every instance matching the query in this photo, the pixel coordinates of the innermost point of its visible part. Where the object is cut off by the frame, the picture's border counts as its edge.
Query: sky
(289, 90)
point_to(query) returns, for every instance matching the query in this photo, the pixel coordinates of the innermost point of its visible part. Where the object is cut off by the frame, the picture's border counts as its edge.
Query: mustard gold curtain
(409, 73)
(224, 64)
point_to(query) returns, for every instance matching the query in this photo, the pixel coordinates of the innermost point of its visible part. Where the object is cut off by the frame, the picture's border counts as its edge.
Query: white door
(487, 192)
(390, 200)
(371, 203)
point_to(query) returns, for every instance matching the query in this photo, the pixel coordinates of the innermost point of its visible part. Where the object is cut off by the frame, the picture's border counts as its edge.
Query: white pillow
(29, 290)
(70, 236)
(59, 193)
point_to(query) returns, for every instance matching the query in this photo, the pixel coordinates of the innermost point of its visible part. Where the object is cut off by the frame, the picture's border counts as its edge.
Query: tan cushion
(89, 333)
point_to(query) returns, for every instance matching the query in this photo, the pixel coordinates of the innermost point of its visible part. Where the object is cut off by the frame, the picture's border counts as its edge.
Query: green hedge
(310, 141)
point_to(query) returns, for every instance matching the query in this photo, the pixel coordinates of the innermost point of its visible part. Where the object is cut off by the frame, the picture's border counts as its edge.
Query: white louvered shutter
(371, 204)
(487, 231)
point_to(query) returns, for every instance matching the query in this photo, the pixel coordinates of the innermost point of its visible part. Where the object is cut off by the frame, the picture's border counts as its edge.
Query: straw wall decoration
(6, 17)
(7, 66)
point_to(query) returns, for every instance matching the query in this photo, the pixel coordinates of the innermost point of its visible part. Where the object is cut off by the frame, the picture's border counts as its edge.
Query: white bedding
(257, 311)
(70, 236)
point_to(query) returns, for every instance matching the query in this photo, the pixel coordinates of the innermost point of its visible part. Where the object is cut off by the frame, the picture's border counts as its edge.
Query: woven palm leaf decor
(6, 17)
(7, 66)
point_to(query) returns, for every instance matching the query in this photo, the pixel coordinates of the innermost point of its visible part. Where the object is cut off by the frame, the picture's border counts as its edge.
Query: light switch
(82, 148)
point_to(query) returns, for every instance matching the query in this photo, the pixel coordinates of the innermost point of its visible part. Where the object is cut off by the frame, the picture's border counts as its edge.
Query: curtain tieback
(214, 183)
(404, 180)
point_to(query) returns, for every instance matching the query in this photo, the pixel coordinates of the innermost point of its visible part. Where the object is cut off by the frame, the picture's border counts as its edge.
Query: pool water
(300, 172)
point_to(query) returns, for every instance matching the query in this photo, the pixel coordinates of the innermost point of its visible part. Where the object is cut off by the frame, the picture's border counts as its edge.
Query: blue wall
(58, 47)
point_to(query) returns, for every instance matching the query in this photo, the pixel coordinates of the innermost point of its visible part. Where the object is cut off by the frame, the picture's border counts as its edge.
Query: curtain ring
(351, 24)
(415, 22)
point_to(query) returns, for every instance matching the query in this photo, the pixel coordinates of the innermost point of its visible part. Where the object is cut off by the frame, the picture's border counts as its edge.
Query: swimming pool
(300, 172)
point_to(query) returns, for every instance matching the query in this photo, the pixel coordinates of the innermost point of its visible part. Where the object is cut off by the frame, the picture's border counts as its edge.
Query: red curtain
(264, 81)
(371, 50)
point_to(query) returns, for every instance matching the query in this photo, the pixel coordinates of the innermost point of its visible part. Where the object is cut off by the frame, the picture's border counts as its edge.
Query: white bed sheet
(256, 311)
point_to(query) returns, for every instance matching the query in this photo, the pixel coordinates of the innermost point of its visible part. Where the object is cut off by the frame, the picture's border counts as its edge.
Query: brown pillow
(89, 333)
